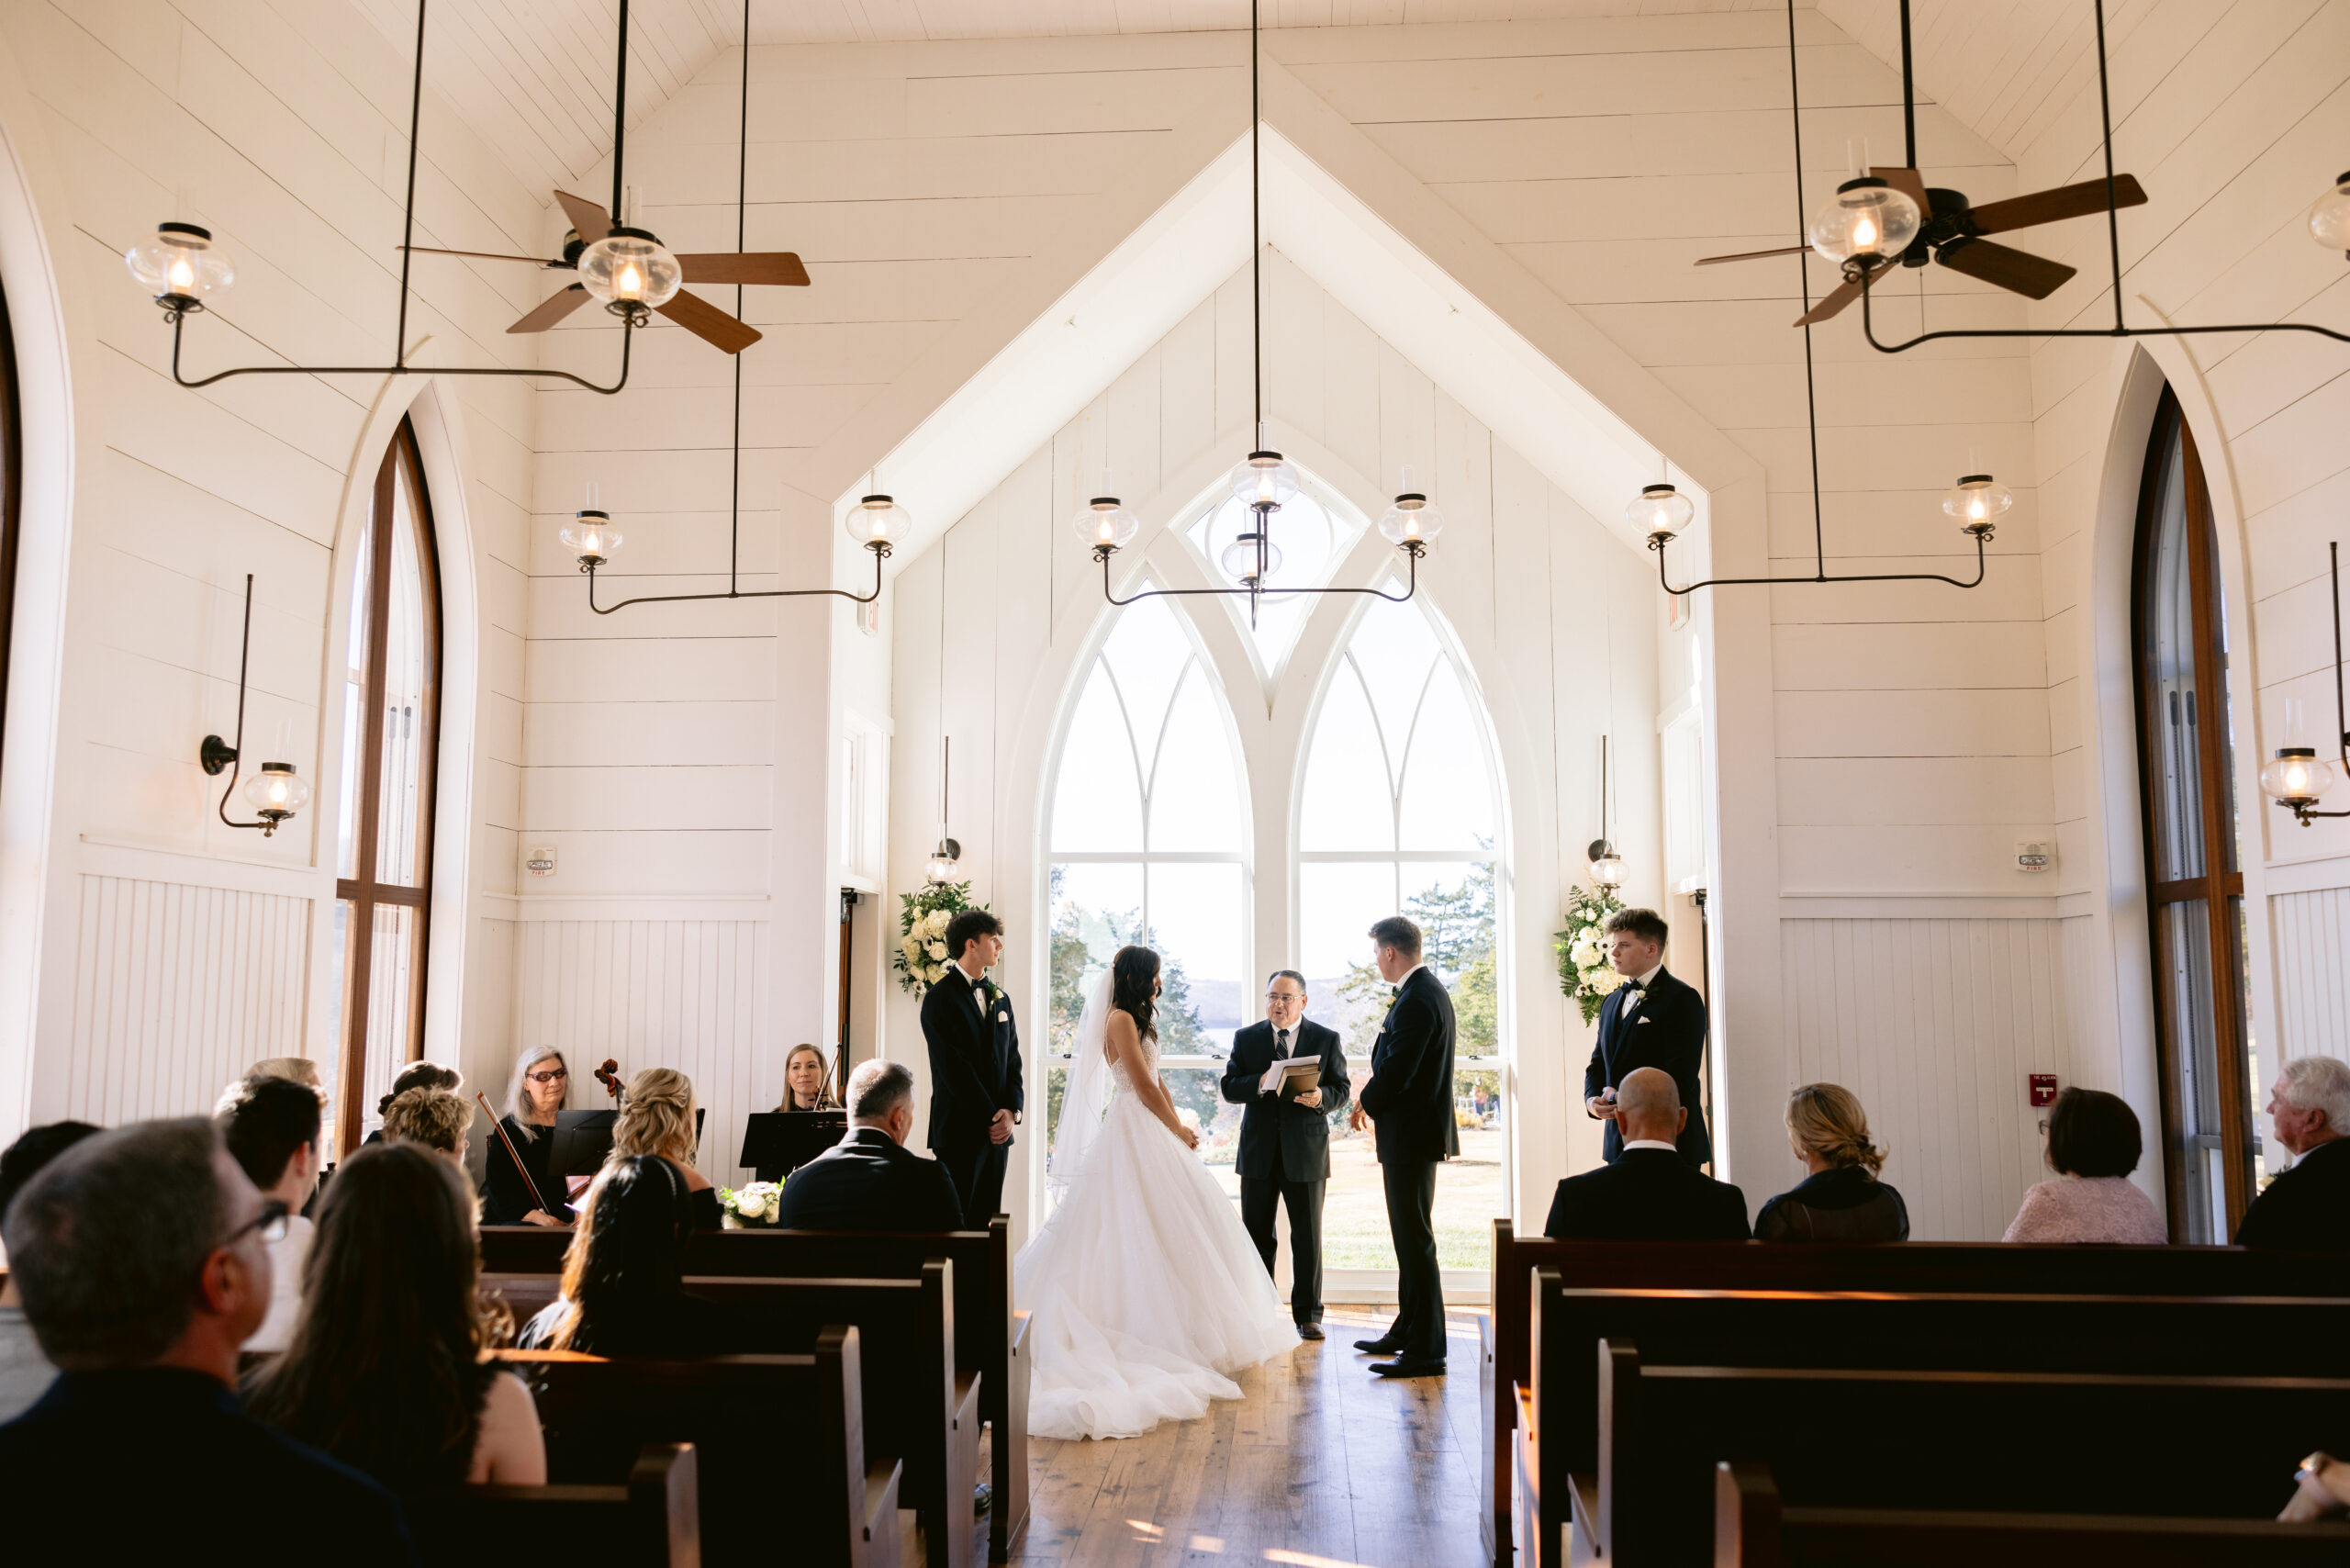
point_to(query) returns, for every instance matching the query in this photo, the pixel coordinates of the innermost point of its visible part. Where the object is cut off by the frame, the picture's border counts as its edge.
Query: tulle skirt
(1147, 1293)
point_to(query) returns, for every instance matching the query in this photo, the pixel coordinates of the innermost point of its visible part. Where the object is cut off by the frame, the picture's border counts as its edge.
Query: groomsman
(1285, 1142)
(1409, 1096)
(1651, 1020)
(975, 1077)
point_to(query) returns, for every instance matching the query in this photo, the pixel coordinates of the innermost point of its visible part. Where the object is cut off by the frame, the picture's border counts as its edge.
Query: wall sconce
(1607, 866)
(276, 793)
(2299, 776)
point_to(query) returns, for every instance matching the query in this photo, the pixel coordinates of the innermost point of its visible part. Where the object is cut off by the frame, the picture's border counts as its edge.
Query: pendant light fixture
(276, 793)
(875, 524)
(940, 869)
(1264, 481)
(1607, 866)
(2299, 775)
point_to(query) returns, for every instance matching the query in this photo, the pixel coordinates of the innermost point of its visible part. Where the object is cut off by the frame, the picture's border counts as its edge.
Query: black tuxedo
(1665, 1029)
(1649, 1195)
(1285, 1152)
(2306, 1207)
(867, 1182)
(1409, 1097)
(974, 1073)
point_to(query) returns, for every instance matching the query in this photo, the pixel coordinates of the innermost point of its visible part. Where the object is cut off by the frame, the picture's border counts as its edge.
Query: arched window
(2195, 883)
(1310, 538)
(390, 733)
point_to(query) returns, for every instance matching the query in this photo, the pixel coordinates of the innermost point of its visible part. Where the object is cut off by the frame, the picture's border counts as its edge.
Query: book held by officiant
(1293, 1075)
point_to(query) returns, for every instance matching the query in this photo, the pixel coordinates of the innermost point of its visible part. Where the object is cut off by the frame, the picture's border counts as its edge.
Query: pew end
(653, 1521)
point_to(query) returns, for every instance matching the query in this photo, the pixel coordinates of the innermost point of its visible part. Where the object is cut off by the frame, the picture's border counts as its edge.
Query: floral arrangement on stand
(920, 960)
(751, 1203)
(1583, 972)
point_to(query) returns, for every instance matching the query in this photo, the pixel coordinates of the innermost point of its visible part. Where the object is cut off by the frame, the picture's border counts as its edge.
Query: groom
(1285, 1142)
(1409, 1096)
(975, 1079)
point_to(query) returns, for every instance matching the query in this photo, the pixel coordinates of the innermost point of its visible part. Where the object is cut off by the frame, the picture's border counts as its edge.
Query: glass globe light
(1412, 521)
(275, 793)
(629, 267)
(1662, 511)
(1103, 523)
(940, 870)
(2329, 215)
(1239, 560)
(179, 264)
(877, 522)
(591, 536)
(1870, 223)
(1265, 481)
(1607, 866)
(1977, 501)
(2296, 777)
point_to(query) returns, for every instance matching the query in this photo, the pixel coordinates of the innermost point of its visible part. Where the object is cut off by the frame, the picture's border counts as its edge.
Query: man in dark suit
(870, 1181)
(1651, 1020)
(1285, 1140)
(1651, 1193)
(975, 1077)
(2306, 1207)
(1409, 1097)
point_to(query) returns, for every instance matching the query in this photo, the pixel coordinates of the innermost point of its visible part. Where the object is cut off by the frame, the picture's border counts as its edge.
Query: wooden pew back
(653, 1521)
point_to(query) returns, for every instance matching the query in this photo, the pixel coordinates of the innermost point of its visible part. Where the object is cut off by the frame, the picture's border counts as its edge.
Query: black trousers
(976, 1166)
(1418, 1330)
(1258, 1196)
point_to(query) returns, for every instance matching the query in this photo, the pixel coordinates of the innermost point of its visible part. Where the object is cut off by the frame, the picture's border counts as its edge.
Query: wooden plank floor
(1319, 1464)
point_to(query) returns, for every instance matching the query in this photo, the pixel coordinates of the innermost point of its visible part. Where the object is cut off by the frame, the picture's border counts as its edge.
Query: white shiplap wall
(2311, 937)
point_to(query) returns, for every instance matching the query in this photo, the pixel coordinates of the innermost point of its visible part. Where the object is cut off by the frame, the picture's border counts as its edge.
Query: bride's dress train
(1147, 1293)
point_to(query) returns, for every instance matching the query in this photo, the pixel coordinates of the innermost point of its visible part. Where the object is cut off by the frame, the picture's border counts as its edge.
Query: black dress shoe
(1382, 1347)
(1309, 1330)
(1408, 1366)
(982, 1498)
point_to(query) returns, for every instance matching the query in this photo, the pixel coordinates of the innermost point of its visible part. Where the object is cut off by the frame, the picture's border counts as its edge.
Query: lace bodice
(1147, 1063)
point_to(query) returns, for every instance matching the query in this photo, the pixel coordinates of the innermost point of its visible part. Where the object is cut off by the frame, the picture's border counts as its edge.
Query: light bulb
(1977, 501)
(1239, 560)
(592, 537)
(1412, 519)
(877, 523)
(275, 793)
(2329, 215)
(1105, 523)
(1607, 870)
(628, 268)
(180, 265)
(1869, 221)
(2296, 777)
(1264, 481)
(940, 869)
(1660, 511)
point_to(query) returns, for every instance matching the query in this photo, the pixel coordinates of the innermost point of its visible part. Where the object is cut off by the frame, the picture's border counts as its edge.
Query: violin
(608, 1075)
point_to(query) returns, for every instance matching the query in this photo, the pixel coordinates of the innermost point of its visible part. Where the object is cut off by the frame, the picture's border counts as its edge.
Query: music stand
(583, 1138)
(777, 1143)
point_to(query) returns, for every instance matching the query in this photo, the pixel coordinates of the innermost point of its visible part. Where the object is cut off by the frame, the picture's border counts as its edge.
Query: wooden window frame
(2221, 885)
(361, 892)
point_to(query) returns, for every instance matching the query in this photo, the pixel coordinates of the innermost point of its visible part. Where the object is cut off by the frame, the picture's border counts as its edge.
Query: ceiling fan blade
(552, 309)
(1834, 300)
(709, 323)
(2049, 206)
(479, 255)
(1906, 182)
(757, 266)
(589, 221)
(1753, 255)
(2017, 272)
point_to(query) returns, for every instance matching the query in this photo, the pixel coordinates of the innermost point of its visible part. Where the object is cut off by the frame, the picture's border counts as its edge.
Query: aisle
(1319, 1465)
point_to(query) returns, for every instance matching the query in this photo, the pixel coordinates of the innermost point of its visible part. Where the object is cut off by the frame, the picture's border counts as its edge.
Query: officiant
(1285, 1134)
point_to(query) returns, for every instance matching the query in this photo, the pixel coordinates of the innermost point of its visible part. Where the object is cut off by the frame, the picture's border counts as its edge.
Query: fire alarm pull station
(2043, 1089)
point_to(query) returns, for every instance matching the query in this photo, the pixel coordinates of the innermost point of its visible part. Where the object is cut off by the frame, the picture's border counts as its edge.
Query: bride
(1147, 1293)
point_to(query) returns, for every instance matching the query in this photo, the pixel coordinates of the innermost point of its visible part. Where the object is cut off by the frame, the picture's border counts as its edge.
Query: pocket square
(1004, 1016)
(1645, 1020)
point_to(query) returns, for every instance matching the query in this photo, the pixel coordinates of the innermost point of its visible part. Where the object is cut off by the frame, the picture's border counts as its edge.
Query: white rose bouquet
(920, 960)
(751, 1203)
(1584, 970)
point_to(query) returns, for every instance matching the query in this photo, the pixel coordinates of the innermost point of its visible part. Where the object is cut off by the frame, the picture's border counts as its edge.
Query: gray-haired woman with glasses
(541, 1083)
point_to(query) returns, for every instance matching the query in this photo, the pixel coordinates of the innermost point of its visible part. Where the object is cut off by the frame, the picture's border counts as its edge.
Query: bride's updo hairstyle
(1134, 974)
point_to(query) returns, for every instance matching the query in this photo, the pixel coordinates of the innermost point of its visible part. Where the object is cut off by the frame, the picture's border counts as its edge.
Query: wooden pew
(1753, 1530)
(756, 1424)
(990, 1339)
(653, 1521)
(2029, 1442)
(1908, 1266)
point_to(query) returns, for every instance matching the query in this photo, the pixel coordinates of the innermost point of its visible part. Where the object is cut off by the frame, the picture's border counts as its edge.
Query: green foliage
(920, 960)
(1584, 970)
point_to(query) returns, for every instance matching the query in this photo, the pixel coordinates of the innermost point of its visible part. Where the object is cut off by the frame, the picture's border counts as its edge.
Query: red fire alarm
(2043, 1089)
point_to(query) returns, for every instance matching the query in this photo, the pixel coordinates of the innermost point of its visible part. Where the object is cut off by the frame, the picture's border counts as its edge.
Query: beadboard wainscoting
(177, 989)
(1936, 1024)
(669, 992)
(2310, 933)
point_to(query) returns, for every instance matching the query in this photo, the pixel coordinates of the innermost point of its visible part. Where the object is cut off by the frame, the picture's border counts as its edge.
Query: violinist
(541, 1082)
(806, 1085)
(658, 1118)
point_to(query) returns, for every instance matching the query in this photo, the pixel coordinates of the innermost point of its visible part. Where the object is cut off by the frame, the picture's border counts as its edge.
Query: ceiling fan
(638, 290)
(1950, 230)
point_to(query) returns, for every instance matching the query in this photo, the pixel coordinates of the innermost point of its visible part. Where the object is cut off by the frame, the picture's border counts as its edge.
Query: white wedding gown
(1147, 1293)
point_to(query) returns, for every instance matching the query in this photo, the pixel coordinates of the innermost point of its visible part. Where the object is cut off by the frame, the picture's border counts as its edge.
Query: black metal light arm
(2305, 812)
(216, 755)
(1658, 543)
(880, 554)
(1102, 553)
(400, 366)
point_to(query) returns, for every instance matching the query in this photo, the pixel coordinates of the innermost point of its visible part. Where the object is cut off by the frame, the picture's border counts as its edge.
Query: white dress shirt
(1650, 1143)
(1639, 988)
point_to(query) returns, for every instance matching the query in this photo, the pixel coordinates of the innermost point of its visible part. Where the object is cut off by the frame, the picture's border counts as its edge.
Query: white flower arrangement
(1584, 970)
(920, 960)
(752, 1202)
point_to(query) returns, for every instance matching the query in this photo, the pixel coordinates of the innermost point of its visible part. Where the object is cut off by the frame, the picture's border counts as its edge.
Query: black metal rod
(2341, 719)
(1860, 578)
(236, 757)
(878, 556)
(1803, 268)
(1411, 586)
(2112, 210)
(742, 211)
(619, 114)
(408, 221)
(178, 322)
(1256, 218)
(1909, 97)
(1868, 329)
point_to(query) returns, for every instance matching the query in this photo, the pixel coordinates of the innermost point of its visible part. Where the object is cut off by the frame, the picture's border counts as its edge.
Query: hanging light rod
(276, 793)
(1265, 480)
(184, 267)
(2299, 776)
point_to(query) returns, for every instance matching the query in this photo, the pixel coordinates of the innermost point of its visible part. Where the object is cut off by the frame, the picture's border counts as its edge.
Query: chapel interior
(586, 530)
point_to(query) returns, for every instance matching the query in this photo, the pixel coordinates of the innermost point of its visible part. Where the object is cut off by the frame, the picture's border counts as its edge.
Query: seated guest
(433, 1117)
(657, 1117)
(386, 1370)
(623, 1275)
(2093, 1145)
(1841, 1200)
(540, 1083)
(415, 1075)
(1651, 1193)
(24, 1371)
(2306, 1207)
(806, 1085)
(143, 1259)
(870, 1181)
(272, 1130)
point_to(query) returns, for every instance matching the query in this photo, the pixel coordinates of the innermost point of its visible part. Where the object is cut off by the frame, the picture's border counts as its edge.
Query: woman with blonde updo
(1841, 1200)
(658, 1118)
